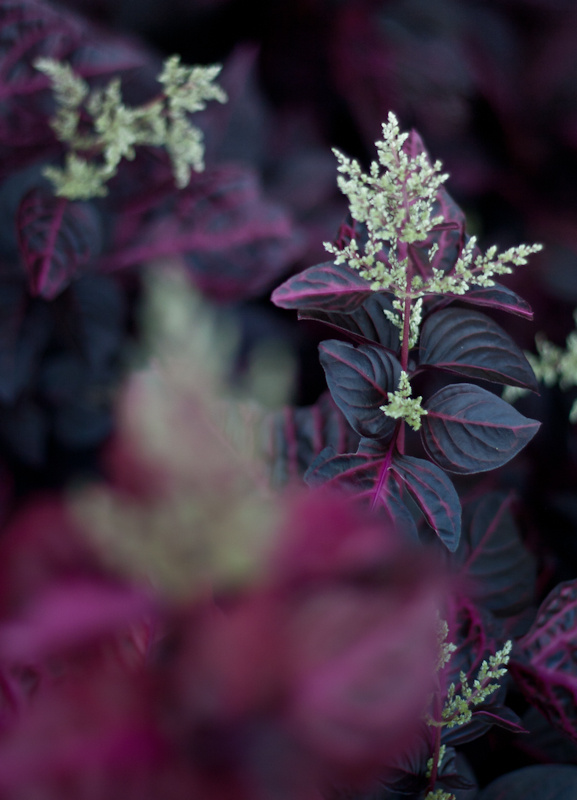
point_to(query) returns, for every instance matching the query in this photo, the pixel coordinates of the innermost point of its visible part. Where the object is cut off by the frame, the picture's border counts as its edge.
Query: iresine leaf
(543, 661)
(367, 477)
(468, 429)
(365, 324)
(293, 437)
(499, 297)
(471, 344)
(328, 286)
(543, 781)
(57, 239)
(359, 379)
(498, 569)
(434, 494)
(379, 479)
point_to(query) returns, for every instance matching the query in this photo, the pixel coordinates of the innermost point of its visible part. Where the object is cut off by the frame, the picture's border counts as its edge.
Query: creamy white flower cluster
(116, 129)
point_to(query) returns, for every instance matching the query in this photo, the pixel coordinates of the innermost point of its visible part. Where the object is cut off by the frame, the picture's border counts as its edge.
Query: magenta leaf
(435, 495)
(543, 781)
(498, 569)
(328, 286)
(471, 344)
(57, 239)
(359, 379)
(367, 323)
(369, 478)
(294, 437)
(543, 662)
(468, 429)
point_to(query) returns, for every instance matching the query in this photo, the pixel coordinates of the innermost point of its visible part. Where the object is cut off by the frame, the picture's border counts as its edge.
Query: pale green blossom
(402, 406)
(116, 129)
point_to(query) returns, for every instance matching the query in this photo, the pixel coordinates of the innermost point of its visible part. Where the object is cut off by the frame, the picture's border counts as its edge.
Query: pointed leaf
(359, 379)
(543, 663)
(499, 297)
(470, 343)
(435, 495)
(369, 478)
(498, 568)
(328, 286)
(468, 429)
(57, 240)
(365, 324)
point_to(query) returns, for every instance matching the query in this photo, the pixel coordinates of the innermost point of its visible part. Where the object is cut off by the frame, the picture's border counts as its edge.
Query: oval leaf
(359, 379)
(435, 495)
(470, 343)
(328, 286)
(468, 429)
(57, 240)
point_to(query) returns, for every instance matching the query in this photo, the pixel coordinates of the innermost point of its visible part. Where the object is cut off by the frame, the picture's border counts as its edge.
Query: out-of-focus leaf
(329, 287)
(293, 437)
(25, 327)
(359, 379)
(543, 662)
(471, 344)
(537, 782)
(235, 242)
(58, 239)
(468, 429)
(499, 570)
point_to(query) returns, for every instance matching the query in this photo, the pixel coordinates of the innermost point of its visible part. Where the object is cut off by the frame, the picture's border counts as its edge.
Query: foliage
(180, 615)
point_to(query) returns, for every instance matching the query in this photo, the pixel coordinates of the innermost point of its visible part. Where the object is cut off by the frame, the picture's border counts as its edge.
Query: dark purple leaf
(544, 663)
(471, 344)
(95, 307)
(328, 286)
(434, 494)
(359, 379)
(293, 437)
(499, 571)
(498, 297)
(367, 323)
(25, 327)
(370, 479)
(24, 429)
(57, 239)
(468, 429)
(236, 243)
(540, 781)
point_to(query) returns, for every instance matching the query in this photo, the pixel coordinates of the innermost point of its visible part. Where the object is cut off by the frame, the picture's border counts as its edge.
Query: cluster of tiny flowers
(116, 129)
(439, 794)
(552, 365)
(395, 200)
(402, 406)
(458, 707)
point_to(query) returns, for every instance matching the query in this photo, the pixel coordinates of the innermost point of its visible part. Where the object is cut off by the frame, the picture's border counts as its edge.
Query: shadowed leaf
(359, 379)
(365, 324)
